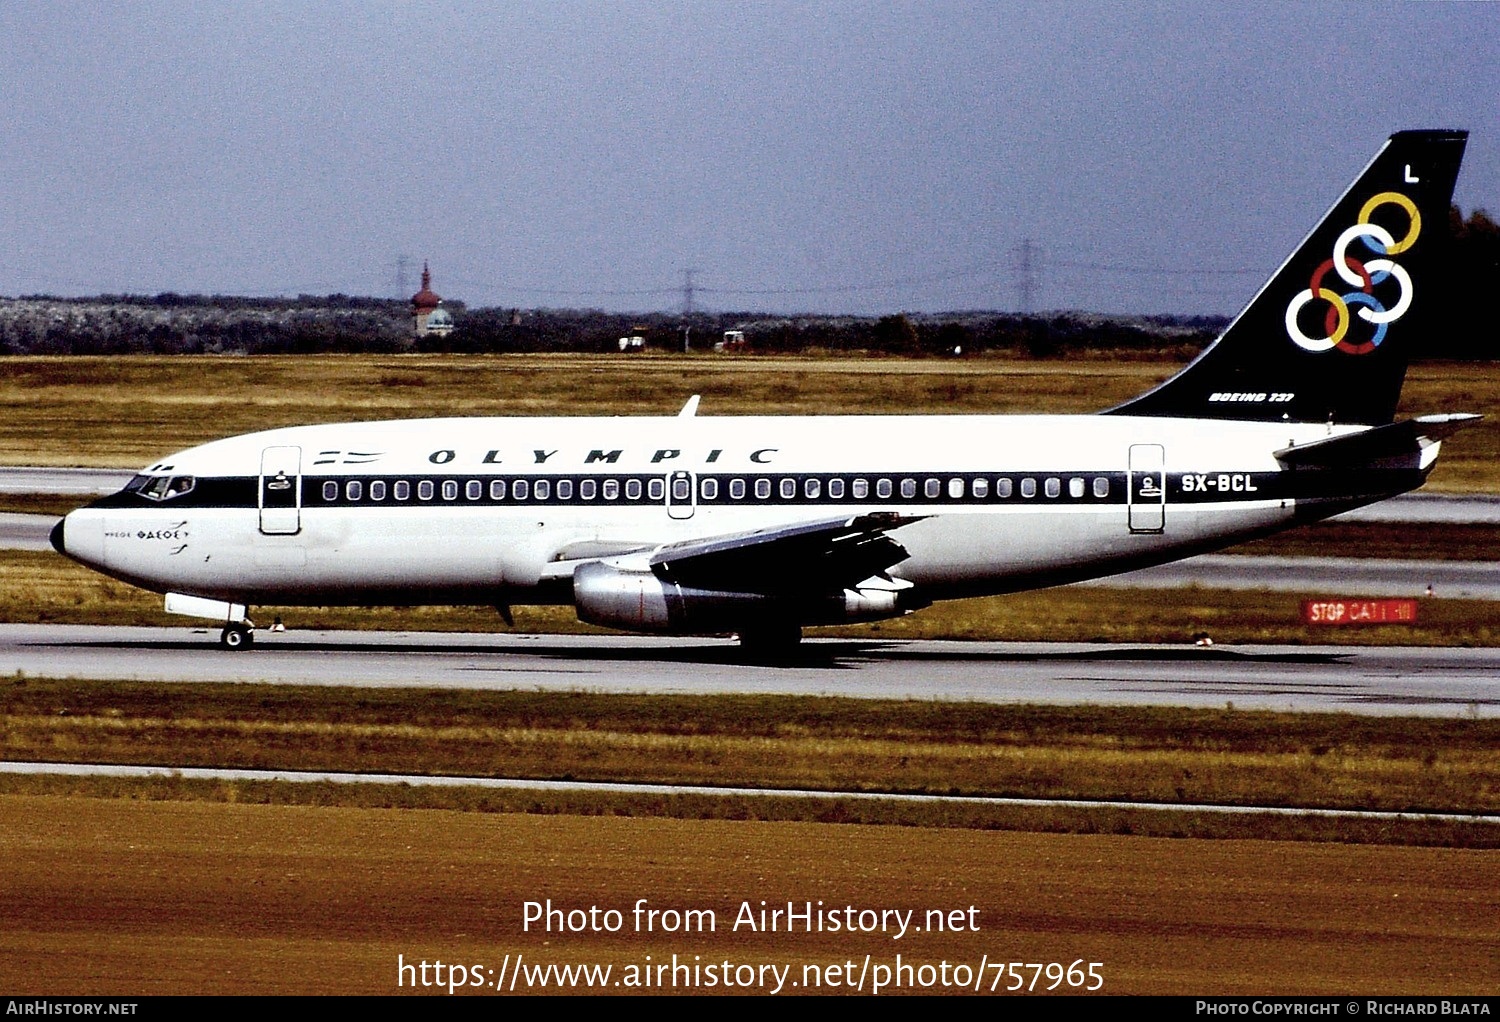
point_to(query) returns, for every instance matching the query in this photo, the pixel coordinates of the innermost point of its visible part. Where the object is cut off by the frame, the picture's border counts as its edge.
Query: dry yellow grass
(1154, 754)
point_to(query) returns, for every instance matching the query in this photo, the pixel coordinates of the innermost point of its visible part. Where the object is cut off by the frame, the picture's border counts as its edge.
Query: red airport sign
(1339, 611)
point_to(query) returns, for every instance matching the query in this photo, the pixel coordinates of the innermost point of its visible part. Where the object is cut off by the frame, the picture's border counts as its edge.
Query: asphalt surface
(1358, 679)
(84, 482)
(25, 532)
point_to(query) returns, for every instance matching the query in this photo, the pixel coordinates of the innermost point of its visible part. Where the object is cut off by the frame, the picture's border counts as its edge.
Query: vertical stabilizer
(1329, 337)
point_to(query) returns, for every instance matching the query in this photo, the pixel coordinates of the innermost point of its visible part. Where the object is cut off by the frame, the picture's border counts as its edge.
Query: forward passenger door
(280, 491)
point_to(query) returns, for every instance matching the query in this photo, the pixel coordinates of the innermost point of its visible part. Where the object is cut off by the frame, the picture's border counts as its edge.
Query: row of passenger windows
(654, 488)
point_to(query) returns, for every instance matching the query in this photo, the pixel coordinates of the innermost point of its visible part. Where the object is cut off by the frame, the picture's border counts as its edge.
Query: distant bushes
(197, 324)
(171, 323)
(178, 324)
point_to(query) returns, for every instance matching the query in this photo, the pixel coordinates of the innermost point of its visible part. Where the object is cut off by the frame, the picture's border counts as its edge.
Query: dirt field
(118, 897)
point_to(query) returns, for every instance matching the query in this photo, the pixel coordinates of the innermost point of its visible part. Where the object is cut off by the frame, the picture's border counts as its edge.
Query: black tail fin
(1330, 335)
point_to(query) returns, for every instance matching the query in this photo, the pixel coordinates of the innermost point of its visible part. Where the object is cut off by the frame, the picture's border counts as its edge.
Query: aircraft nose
(57, 536)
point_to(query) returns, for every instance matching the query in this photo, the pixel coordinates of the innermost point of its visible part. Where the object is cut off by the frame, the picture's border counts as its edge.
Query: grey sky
(569, 153)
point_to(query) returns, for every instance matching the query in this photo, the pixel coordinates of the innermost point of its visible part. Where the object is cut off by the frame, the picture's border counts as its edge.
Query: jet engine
(636, 599)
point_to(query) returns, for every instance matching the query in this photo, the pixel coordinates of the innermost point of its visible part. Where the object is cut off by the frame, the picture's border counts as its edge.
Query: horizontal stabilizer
(1394, 440)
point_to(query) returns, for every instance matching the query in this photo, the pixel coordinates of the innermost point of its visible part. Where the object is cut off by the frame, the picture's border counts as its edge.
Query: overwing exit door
(682, 495)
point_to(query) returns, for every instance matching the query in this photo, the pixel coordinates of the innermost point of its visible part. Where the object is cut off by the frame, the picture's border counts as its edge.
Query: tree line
(170, 323)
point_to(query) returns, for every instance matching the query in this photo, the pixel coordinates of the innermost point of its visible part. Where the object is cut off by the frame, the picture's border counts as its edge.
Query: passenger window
(450, 489)
(473, 489)
(812, 488)
(762, 489)
(632, 489)
(1101, 486)
(377, 490)
(908, 488)
(681, 489)
(542, 490)
(424, 490)
(860, 489)
(588, 489)
(788, 489)
(933, 488)
(1075, 488)
(330, 490)
(354, 489)
(1028, 487)
(956, 488)
(497, 489)
(981, 488)
(655, 489)
(709, 489)
(836, 489)
(1003, 488)
(565, 489)
(737, 489)
(883, 489)
(1054, 486)
(520, 489)
(402, 490)
(611, 489)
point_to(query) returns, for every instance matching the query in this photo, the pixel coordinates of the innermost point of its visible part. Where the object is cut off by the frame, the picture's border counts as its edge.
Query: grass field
(127, 411)
(1170, 755)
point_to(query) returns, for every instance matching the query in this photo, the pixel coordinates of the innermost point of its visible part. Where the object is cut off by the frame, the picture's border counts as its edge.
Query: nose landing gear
(237, 636)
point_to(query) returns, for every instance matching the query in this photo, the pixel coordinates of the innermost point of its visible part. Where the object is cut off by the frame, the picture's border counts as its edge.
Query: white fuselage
(502, 510)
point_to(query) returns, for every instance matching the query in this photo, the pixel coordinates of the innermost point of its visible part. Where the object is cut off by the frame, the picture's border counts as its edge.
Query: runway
(1358, 679)
(83, 482)
(25, 532)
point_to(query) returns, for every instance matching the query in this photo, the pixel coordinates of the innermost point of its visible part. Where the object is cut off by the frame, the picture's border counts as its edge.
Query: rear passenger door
(1146, 488)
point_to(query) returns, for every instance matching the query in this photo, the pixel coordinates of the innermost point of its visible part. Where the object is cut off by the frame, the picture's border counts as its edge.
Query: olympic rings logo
(1363, 276)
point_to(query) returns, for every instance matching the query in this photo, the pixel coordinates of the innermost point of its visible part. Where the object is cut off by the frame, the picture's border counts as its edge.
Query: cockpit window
(160, 487)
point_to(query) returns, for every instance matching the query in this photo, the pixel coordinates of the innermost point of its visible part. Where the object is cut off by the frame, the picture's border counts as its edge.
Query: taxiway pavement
(1358, 679)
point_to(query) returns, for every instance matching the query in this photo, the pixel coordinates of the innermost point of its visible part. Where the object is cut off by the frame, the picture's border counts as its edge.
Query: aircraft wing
(824, 555)
(831, 554)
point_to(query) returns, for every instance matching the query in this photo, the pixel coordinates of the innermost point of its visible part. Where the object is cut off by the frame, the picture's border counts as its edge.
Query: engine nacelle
(638, 600)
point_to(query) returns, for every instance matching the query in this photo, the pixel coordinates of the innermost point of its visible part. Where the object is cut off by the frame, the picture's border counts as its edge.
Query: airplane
(762, 525)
